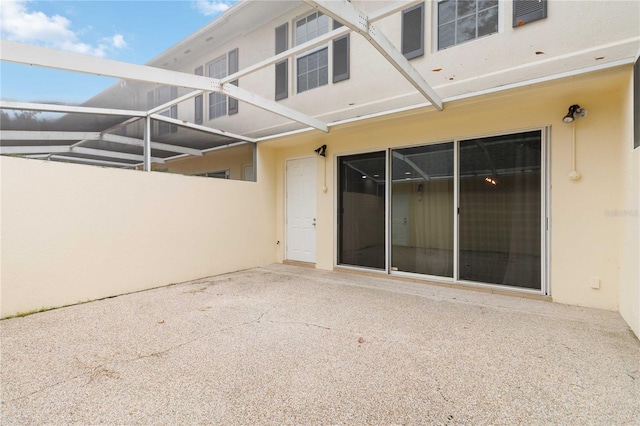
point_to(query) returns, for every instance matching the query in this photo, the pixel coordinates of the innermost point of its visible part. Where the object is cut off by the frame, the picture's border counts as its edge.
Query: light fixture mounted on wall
(321, 151)
(575, 111)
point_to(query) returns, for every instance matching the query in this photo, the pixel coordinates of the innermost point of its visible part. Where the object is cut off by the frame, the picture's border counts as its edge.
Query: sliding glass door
(500, 204)
(362, 210)
(467, 210)
(422, 209)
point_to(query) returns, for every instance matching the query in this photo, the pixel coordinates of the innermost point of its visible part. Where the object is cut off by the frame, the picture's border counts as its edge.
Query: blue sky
(124, 30)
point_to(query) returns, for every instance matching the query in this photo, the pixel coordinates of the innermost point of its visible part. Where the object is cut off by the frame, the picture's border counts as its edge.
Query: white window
(160, 96)
(463, 20)
(217, 101)
(199, 101)
(311, 27)
(218, 174)
(312, 69)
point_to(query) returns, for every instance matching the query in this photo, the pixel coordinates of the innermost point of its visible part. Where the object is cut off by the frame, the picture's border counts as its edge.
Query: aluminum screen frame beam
(30, 106)
(125, 140)
(82, 160)
(25, 150)
(45, 135)
(50, 58)
(175, 101)
(83, 137)
(201, 128)
(59, 149)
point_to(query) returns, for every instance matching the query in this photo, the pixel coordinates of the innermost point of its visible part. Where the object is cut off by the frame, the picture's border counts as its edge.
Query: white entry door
(301, 209)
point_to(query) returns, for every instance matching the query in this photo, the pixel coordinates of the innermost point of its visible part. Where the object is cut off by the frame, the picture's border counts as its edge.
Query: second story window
(217, 101)
(161, 96)
(312, 68)
(199, 101)
(219, 105)
(464, 20)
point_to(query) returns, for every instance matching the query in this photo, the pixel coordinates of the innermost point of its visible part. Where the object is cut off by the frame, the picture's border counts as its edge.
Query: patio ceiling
(73, 136)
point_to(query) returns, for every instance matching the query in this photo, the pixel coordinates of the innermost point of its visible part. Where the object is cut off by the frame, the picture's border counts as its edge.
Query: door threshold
(458, 285)
(299, 263)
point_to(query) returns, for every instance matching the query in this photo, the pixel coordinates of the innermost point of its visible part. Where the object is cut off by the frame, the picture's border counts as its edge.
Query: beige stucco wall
(71, 233)
(628, 215)
(585, 242)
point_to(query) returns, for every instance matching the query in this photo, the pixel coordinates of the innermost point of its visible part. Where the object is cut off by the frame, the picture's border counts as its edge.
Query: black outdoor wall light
(575, 111)
(322, 152)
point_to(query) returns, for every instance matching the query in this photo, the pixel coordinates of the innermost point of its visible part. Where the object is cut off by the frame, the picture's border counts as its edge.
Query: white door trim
(308, 223)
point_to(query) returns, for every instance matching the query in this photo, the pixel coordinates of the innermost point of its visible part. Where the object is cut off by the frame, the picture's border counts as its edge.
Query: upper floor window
(282, 67)
(464, 20)
(199, 101)
(311, 27)
(218, 101)
(161, 96)
(312, 69)
(221, 67)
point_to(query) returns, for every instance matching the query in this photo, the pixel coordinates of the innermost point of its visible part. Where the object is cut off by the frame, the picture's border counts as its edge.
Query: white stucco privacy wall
(72, 233)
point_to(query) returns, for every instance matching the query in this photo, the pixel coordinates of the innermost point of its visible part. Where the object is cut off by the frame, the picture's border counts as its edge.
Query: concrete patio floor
(291, 345)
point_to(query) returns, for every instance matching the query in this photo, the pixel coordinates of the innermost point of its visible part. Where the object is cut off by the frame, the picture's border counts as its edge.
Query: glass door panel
(361, 210)
(422, 217)
(500, 196)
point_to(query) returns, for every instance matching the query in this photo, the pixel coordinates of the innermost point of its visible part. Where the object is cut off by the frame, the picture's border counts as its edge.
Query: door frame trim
(286, 240)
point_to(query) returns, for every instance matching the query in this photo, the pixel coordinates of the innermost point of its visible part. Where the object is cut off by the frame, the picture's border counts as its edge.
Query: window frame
(232, 68)
(304, 55)
(316, 49)
(157, 97)
(435, 26)
(213, 173)
(198, 102)
(211, 96)
(281, 45)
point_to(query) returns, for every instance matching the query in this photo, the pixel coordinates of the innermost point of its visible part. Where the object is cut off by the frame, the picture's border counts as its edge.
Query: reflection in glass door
(362, 210)
(422, 209)
(500, 216)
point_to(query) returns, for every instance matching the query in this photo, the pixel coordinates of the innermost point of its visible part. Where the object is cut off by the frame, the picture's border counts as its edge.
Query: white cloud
(18, 23)
(118, 42)
(212, 7)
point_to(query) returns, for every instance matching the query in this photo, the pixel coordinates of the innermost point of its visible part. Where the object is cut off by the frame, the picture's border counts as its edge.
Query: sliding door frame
(336, 213)
(545, 217)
